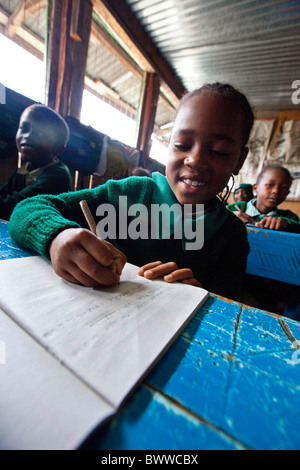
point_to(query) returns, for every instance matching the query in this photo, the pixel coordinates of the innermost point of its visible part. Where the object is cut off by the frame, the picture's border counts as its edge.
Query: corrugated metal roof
(254, 45)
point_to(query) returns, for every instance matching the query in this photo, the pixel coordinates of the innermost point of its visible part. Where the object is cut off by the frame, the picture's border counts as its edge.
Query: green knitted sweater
(53, 179)
(219, 265)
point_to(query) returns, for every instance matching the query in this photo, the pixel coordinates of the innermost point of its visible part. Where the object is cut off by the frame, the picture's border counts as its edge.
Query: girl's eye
(219, 153)
(182, 147)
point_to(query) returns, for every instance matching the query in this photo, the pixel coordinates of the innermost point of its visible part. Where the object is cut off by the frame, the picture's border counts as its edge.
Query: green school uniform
(219, 265)
(54, 178)
(250, 209)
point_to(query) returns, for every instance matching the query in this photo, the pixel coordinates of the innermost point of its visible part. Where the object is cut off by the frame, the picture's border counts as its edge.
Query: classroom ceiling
(254, 45)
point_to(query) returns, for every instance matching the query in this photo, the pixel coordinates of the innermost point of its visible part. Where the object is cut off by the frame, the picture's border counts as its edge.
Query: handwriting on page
(110, 336)
(108, 311)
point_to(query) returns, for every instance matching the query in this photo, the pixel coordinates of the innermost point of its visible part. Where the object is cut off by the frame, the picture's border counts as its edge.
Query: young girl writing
(272, 187)
(207, 146)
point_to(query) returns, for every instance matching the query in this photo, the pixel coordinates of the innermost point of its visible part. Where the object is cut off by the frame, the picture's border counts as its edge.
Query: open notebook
(71, 354)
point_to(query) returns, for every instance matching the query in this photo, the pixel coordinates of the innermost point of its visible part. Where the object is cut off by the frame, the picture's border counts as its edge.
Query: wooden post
(69, 25)
(81, 36)
(147, 111)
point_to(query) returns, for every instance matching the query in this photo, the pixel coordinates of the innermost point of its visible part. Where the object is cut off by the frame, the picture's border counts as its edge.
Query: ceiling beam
(99, 33)
(118, 16)
(21, 12)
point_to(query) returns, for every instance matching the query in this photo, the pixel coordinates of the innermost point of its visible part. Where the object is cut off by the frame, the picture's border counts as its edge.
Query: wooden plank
(79, 58)
(21, 13)
(120, 18)
(76, 24)
(52, 52)
(64, 63)
(151, 421)
(147, 111)
(99, 33)
(66, 57)
(233, 367)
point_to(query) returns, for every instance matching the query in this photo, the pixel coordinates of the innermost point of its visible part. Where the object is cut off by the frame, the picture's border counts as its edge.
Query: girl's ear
(240, 162)
(254, 186)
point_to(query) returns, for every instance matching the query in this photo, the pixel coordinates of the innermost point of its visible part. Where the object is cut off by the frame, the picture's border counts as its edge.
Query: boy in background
(272, 187)
(243, 192)
(41, 137)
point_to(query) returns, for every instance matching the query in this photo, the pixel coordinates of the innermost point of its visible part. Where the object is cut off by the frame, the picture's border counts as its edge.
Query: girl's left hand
(169, 272)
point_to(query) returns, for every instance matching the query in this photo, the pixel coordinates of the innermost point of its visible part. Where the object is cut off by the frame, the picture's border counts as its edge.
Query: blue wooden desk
(230, 381)
(274, 255)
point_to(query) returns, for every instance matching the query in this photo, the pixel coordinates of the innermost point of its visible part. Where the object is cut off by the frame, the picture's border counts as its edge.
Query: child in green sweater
(272, 187)
(208, 144)
(42, 136)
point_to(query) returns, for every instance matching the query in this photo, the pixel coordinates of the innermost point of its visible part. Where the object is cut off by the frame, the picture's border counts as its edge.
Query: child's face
(36, 139)
(206, 147)
(271, 190)
(242, 194)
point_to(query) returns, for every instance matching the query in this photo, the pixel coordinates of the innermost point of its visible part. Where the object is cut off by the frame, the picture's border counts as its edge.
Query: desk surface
(230, 381)
(274, 255)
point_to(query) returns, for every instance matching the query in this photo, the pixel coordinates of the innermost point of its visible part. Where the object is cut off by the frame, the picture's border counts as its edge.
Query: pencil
(88, 216)
(118, 263)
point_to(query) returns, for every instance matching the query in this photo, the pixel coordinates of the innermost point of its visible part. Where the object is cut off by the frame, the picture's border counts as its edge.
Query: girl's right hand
(79, 256)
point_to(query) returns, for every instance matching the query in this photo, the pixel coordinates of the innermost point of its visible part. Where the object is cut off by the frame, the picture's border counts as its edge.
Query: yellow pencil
(118, 263)
(88, 216)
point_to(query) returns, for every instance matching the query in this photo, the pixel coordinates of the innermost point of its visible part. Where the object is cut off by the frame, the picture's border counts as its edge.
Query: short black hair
(230, 93)
(274, 167)
(54, 119)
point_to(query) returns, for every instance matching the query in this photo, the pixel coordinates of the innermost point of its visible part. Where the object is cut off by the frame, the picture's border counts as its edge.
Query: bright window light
(158, 151)
(26, 75)
(106, 119)
(21, 71)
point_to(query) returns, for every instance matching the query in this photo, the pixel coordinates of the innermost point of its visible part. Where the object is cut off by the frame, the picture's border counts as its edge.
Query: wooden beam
(99, 33)
(79, 56)
(120, 19)
(66, 57)
(147, 113)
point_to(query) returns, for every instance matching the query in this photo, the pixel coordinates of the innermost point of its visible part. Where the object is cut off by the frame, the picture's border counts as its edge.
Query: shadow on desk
(273, 272)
